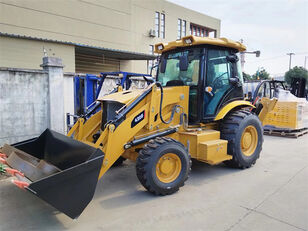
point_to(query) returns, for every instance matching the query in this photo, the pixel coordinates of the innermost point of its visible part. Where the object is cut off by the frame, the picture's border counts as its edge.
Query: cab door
(217, 82)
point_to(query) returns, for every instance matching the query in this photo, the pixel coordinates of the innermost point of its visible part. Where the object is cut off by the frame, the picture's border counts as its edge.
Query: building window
(179, 28)
(183, 28)
(157, 23)
(202, 31)
(162, 25)
(212, 34)
(150, 62)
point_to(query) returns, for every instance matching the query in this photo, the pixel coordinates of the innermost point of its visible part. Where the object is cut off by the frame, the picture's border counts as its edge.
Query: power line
(301, 53)
(275, 57)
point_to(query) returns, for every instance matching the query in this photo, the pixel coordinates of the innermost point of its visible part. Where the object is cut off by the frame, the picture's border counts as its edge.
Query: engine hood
(123, 97)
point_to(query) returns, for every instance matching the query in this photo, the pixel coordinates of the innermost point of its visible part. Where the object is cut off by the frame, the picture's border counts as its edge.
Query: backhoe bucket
(56, 168)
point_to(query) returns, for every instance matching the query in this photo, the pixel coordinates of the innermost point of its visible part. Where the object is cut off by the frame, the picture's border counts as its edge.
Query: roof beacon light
(188, 41)
(160, 47)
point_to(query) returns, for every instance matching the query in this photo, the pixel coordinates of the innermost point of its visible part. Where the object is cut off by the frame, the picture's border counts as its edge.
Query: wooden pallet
(286, 133)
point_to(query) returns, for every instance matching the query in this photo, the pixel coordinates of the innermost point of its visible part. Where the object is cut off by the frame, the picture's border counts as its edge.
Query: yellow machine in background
(194, 108)
(290, 112)
(288, 115)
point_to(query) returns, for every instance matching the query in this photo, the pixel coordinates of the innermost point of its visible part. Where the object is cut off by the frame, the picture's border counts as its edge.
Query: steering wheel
(185, 79)
(217, 83)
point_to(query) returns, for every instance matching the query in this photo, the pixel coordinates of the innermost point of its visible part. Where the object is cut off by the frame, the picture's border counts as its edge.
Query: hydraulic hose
(160, 105)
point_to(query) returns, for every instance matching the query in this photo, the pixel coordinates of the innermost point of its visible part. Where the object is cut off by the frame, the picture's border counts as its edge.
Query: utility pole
(242, 56)
(290, 54)
(305, 61)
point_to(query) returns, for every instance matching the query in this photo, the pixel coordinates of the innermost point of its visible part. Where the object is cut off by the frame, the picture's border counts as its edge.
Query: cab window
(173, 75)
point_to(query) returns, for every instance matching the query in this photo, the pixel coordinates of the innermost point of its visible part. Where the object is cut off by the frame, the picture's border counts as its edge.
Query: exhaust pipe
(56, 168)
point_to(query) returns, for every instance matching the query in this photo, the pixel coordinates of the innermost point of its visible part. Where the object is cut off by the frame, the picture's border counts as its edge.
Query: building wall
(23, 104)
(117, 24)
(25, 53)
(69, 106)
(143, 21)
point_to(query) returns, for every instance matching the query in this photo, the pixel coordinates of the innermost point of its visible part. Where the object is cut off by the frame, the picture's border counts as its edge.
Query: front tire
(119, 162)
(244, 133)
(163, 165)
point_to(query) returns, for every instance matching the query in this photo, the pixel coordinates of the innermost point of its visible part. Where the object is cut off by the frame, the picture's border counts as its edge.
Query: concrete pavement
(272, 195)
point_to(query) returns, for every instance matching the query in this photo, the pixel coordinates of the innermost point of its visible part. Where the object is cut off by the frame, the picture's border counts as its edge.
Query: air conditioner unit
(152, 33)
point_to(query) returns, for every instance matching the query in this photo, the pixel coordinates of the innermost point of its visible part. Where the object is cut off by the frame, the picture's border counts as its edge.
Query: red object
(2, 155)
(254, 102)
(13, 172)
(20, 184)
(3, 161)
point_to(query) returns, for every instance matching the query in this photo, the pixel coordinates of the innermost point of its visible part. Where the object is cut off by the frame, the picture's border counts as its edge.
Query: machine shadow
(20, 210)
(202, 172)
(120, 187)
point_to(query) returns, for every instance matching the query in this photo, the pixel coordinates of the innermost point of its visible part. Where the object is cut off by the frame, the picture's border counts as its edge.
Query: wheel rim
(168, 167)
(249, 140)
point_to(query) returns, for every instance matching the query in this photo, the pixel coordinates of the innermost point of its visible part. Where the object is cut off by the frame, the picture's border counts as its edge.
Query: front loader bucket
(56, 168)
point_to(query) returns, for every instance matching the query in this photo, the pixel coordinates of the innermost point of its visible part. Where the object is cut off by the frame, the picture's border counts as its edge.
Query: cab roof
(191, 40)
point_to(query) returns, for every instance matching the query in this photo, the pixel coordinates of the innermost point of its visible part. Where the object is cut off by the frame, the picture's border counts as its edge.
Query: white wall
(23, 104)
(68, 95)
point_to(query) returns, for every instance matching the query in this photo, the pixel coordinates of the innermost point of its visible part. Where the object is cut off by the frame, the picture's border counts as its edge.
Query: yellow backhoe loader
(193, 108)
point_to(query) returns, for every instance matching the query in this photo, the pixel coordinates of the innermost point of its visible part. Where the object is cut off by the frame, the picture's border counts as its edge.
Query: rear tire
(163, 165)
(244, 133)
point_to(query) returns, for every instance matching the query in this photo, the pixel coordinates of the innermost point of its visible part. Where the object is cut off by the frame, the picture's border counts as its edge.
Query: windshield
(173, 74)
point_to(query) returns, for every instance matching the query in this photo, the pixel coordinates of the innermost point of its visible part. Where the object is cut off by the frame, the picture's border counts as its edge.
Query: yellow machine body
(203, 142)
(152, 127)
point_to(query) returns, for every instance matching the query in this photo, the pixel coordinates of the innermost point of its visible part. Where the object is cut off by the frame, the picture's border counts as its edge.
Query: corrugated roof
(114, 53)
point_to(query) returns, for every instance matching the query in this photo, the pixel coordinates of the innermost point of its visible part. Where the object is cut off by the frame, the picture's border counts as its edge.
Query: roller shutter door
(92, 64)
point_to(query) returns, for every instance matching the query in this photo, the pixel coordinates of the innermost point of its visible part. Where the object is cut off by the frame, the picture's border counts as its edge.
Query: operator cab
(213, 74)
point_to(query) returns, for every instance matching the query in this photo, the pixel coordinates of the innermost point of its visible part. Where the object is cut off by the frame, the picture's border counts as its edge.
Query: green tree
(261, 74)
(246, 76)
(296, 72)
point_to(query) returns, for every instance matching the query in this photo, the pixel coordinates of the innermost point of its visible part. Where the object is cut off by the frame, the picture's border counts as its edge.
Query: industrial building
(92, 36)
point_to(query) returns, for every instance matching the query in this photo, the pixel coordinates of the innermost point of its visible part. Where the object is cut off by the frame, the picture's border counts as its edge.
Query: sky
(275, 27)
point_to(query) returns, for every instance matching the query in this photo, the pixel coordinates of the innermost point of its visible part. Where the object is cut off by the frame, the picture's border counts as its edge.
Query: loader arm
(267, 106)
(139, 118)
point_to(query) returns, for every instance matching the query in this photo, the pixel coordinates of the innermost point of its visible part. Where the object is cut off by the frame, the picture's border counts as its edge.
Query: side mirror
(234, 80)
(232, 58)
(148, 79)
(163, 64)
(183, 63)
